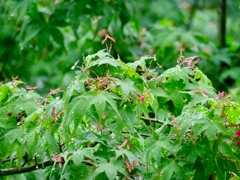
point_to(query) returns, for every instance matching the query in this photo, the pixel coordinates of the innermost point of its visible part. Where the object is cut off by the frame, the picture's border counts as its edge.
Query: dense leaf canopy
(114, 123)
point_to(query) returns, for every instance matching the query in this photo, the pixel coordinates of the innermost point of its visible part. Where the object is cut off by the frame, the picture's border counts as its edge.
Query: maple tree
(114, 122)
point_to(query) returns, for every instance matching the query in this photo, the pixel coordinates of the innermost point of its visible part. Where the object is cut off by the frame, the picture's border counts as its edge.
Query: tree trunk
(222, 10)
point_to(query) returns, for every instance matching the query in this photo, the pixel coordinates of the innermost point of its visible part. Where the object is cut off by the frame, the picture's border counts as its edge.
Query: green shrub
(121, 120)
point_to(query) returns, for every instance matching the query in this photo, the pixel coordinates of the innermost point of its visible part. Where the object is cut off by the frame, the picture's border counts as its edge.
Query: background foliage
(124, 115)
(40, 40)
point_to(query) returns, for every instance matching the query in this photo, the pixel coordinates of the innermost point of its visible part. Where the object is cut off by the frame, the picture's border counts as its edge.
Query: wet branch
(11, 171)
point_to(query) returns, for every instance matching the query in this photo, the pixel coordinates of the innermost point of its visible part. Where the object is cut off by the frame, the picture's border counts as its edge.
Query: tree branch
(142, 134)
(20, 170)
(154, 120)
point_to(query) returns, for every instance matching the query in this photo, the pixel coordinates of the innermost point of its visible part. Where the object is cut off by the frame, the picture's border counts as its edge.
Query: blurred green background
(40, 40)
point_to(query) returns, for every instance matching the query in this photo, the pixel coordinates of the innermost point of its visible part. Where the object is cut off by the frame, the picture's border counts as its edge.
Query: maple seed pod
(31, 87)
(237, 134)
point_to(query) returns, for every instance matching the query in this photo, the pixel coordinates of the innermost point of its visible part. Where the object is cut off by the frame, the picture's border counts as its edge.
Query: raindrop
(13, 62)
(53, 168)
(21, 46)
(36, 166)
(21, 108)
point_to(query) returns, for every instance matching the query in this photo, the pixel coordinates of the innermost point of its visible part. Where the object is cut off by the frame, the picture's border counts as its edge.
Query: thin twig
(154, 120)
(141, 134)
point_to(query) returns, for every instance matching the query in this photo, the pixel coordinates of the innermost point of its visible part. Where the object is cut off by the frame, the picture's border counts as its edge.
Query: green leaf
(199, 170)
(140, 63)
(76, 111)
(219, 127)
(76, 85)
(200, 127)
(80, 154)
(107, 167)
(21, 7)
(192, 156)
(207, 88)
(100, 58)
(81, 105)
(14, 85)
(177, 99)
(12, 135)
(110, 170)
(129, 118)
(225, 149)
(31, 142)
(52, 142)
(171, 74)
(57, 103)
(31, 31)
(127, 87)
(130, 156)
(209, 165)
(159, 92)
(168, 170)
(203, 78)
(108, 61)
(4, 93)
(6, 125)
(20, 153)
(211, 133)
(233, 112)
(57, 36)
(220, 169)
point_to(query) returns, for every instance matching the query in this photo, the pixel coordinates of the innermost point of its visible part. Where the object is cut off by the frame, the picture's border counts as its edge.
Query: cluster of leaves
(38, 35)
(116, 122)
